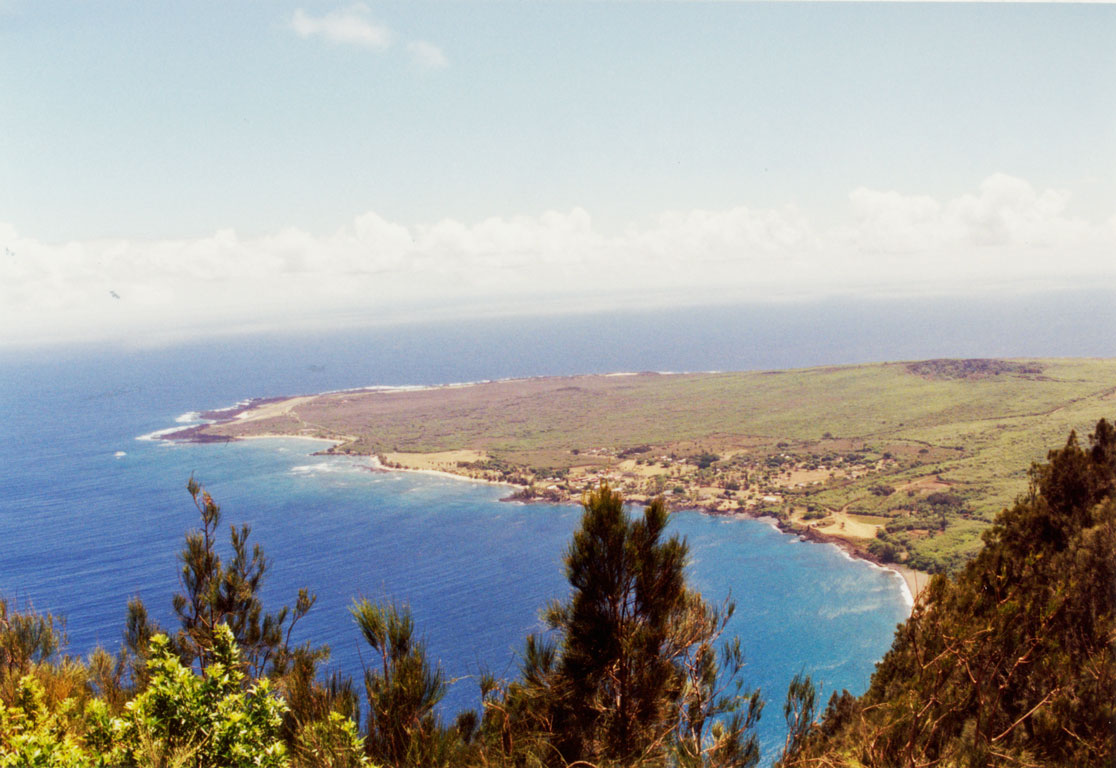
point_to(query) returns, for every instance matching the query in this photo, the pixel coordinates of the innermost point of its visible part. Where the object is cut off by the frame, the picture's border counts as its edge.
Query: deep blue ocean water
(91, 516)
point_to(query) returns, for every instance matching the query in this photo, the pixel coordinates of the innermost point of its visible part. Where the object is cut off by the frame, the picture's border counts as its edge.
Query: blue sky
(314, 162)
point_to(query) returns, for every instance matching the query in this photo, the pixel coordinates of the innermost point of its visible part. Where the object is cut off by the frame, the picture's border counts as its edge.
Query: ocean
(93, 510)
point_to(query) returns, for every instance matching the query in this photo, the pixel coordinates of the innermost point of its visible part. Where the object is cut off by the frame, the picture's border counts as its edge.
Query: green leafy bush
(218, 719)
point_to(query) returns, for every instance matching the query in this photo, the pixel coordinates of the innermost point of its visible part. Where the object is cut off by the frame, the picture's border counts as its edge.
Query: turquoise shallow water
(90, 516)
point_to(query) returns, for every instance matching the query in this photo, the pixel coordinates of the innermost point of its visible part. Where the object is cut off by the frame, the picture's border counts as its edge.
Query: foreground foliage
(1008, 663)
(219, 719)
(180, 719)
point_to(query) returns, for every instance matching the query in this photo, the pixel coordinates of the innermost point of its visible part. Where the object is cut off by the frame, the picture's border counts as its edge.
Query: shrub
(216, 719)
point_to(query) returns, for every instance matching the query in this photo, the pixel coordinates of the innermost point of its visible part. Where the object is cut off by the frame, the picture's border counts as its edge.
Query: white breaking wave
(336, 466)
(833, 612)
(158, 434)
(410, 387)
(314, 468)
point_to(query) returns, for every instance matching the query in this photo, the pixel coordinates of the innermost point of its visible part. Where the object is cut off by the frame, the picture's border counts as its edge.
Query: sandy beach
(916, 580)
(436, 468)
(330, 440)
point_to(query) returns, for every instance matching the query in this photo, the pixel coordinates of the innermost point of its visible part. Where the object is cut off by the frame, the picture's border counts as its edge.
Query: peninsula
(902, 463)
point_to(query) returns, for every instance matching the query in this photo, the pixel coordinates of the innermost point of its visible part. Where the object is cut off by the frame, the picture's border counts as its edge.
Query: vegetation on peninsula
(900, 462)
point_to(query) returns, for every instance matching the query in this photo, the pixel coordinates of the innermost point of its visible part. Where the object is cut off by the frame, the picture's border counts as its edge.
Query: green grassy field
(970, 430)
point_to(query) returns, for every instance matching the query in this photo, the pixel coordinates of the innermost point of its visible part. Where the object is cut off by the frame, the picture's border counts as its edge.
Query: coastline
(912, 582)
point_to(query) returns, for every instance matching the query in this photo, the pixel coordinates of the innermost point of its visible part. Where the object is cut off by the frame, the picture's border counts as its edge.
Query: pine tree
(402, 729)
(26, 638)
(635, 677)
(215, 592)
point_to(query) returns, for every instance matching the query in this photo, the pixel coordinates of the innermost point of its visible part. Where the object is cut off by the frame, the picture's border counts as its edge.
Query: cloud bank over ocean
(1005, 235)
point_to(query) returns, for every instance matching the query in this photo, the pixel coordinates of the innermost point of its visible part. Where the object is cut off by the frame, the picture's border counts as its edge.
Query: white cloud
(355, 26)
(1009, 211)
(1005, 231)
(1006, 225)
(427, 55)
(894, 223)
(350, 26)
